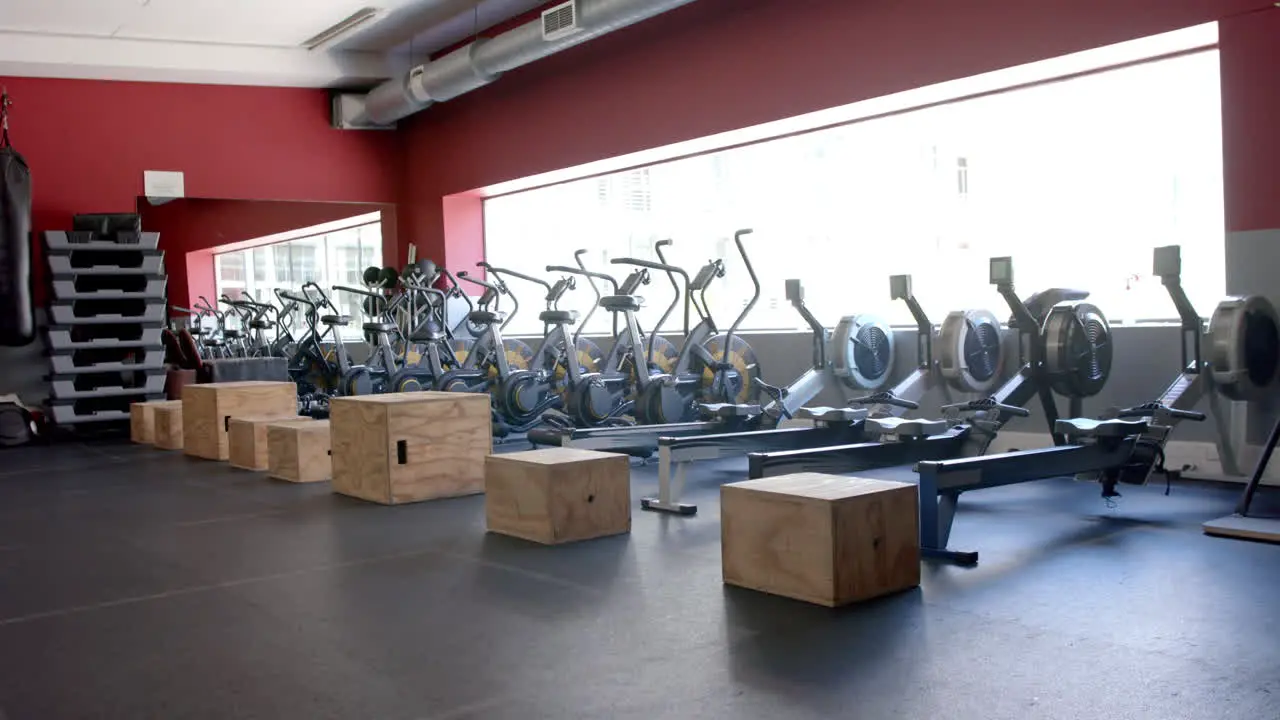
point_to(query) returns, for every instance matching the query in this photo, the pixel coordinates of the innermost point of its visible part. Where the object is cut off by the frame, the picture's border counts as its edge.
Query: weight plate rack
(106, 313)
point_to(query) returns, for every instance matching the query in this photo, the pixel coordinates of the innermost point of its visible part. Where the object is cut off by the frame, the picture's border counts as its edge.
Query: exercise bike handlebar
(587, 274)
(652, 265)
(671, 271)
(527, 278)
(755, 295)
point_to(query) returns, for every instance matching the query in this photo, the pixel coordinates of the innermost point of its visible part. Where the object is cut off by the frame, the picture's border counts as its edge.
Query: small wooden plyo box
(207, 411)
(408, 447)
(824, 539)
(557, 495)
(247, 441)
(298, 450)
(142, 420)
(168, 426)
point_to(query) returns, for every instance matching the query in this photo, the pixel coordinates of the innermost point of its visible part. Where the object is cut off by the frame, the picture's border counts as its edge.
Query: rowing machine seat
(1085, 427)
(830, 415)
(904, 427)
(728, 410)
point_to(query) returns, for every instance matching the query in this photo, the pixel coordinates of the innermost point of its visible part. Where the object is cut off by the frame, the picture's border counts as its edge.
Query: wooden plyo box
(207, 411)
(558, 495)
(298, 450)
(142, 420)
(168, 426)
(247, 441)
(824, 539)
(407, 447)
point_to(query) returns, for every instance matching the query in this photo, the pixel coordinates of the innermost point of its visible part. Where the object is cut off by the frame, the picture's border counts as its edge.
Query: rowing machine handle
(1150, 410)
(885, 398)
(987, 404)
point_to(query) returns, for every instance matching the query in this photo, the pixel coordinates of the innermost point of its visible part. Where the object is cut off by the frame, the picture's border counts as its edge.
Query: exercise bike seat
(622, 303)
(336, 320)
(825, 414)
(431, 333)
(904, 427)
(1085, 427)
(485, 317)
(260, 325)
(558, 317)
(380, 327)
(231, 334)
(728, 410)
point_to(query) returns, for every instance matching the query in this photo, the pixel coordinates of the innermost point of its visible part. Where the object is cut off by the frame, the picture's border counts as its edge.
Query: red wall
(1251, 119)
(719, 65)
(88, 143)
(189, 226)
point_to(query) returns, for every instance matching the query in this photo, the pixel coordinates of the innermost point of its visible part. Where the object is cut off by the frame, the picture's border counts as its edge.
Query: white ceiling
(251, 42)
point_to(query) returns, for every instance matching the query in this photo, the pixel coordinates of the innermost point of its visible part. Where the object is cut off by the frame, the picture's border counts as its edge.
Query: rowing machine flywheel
(1077, 349)
(743, 359)
(862, 351)
(969, 350)
(1244, 346)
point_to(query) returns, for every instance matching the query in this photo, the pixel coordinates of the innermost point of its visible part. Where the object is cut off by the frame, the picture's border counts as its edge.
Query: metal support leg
(671, 479)
(937, 512)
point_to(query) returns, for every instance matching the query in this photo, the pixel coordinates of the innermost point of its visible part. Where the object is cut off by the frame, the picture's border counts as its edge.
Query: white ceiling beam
(65, 56)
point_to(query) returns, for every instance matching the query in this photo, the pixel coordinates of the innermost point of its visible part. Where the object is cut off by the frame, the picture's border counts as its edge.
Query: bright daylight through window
(328, 255)
(1077, 179)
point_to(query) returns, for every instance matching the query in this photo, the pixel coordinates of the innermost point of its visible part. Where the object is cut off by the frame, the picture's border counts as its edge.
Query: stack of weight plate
(105, 319)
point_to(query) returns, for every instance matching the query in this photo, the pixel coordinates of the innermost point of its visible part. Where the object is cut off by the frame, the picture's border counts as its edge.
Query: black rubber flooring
(138, 584)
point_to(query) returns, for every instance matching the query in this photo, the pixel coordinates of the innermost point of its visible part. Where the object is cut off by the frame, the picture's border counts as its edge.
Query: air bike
(708, 368)
(858, 355)
(1127, 446)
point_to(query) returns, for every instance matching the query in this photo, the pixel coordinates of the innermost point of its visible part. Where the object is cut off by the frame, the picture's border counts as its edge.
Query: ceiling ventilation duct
(484, 60)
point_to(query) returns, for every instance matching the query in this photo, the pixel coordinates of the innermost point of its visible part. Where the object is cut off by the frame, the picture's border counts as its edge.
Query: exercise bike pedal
(653, 504)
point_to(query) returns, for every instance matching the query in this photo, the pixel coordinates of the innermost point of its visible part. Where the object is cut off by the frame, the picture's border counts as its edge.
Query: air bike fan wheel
(862, 351)
(1244, 347)
(969, 350)
(1077, 349)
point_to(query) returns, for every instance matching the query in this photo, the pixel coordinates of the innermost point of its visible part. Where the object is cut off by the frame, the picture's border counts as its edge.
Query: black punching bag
(17, 326)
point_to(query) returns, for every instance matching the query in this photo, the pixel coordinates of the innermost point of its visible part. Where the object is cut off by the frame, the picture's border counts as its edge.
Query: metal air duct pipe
(484, 60)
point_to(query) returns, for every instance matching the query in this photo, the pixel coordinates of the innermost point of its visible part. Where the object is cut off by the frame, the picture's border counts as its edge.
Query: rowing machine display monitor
(1001, 270)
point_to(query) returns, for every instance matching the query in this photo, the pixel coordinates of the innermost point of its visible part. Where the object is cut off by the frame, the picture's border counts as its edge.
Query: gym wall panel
(1250, 57)
(88, 143)
(719, 65)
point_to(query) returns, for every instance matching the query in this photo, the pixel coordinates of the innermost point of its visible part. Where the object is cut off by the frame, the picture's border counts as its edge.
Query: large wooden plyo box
(298, 450)
(247, 441)
(207, 411)
(558, 494)
(407, 447)
(142, 420)
(168, 426)
(825, 539)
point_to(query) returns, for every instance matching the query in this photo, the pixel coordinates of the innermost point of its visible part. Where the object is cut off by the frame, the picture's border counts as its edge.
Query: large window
(1077, 179)
(331, 255)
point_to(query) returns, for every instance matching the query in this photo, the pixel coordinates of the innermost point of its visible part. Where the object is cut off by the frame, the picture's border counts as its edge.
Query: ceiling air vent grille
(559, 21)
